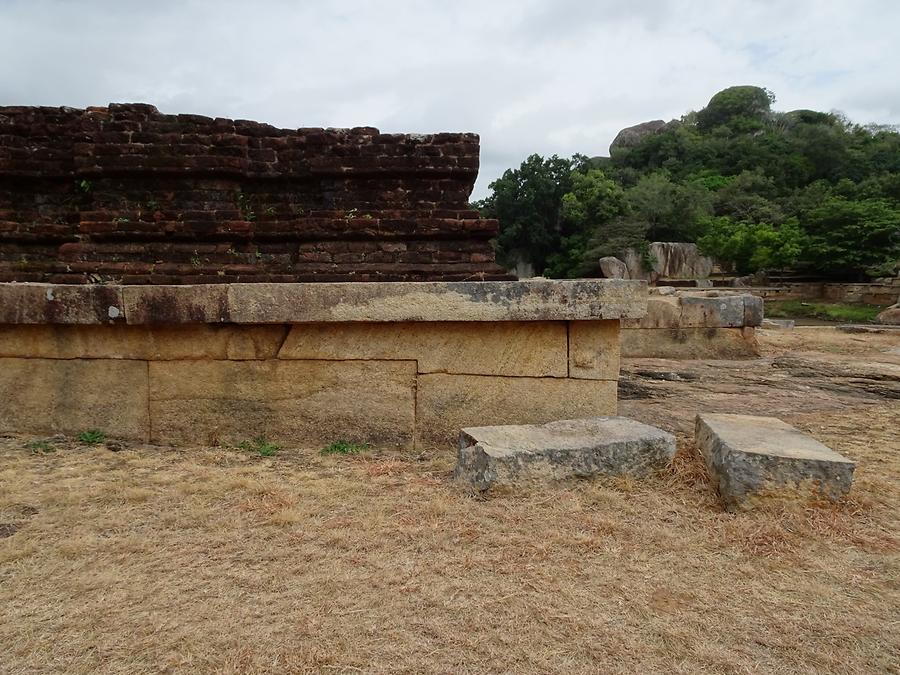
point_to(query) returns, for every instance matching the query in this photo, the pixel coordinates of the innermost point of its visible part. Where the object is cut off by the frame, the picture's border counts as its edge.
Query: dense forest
(755, 188)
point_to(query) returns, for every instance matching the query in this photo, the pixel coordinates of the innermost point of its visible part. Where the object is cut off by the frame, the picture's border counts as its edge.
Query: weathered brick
(125, 193)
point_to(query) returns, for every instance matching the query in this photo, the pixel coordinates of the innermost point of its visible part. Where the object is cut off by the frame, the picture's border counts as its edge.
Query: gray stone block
(753, 310)
(27, 303)
(761, 461)
(712, 311)
(579, 448)
(534, 300)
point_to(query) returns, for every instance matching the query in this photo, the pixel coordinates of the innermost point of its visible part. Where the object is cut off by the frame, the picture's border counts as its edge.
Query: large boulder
(631, 136)
(613, 268)
(680, 260)
(890, 316)
(671, 260)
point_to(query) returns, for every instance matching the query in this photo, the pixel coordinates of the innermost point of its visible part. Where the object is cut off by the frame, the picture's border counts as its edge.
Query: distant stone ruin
(125, 194)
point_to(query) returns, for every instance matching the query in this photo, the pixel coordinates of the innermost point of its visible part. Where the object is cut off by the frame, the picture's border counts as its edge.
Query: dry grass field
(157, 560)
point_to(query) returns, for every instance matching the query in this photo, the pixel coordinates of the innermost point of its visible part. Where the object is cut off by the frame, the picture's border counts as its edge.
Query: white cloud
(554, 77)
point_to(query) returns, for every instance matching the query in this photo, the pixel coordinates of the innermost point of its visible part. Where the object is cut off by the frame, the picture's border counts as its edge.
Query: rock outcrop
(671, 260)
(890, 316)
(631, 136)
(613, 268)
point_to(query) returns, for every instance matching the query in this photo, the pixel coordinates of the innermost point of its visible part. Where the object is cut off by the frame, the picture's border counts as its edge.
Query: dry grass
(154, 560)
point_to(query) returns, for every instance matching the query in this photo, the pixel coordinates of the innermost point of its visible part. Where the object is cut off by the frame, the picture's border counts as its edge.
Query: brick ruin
(124, 194)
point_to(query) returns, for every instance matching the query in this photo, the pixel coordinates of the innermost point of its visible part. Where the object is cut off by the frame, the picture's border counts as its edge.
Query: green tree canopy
(528, 202)
(804, 188)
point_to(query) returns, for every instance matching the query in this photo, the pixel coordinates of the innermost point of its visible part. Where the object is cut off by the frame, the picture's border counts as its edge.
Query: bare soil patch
(215, 560)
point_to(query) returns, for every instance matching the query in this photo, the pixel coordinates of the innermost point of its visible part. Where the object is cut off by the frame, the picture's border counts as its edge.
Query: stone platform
(402, 365)
(694, 324)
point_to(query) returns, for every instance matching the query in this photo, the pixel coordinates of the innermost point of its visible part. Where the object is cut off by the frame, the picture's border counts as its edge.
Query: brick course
(125, 194)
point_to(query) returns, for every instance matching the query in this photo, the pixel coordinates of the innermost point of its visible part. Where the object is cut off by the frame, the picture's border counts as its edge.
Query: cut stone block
(534, 300)
(55, 303)
(712, 311)
(532, 348)
(594, 350)
(309, 403)
(158, 343)
(155, 305)
(757, 461)
(690, 343)
(663, 311)
(753, 310)
(779, 324)
(447, 403)
(580, 448)
(49, 396)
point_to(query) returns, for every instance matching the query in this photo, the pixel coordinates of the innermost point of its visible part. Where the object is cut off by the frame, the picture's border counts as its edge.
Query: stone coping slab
(576, 448)
(757, 461)
(534, 300)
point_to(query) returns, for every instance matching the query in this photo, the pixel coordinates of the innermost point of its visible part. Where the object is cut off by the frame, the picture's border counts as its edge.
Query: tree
(747, 198)
(671, 210)
(848, 238)
(527, 201)
(768, 188)
(751, 247)
(593, 201)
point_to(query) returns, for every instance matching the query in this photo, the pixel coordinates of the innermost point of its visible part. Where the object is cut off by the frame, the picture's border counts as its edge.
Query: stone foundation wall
(124, 194)
(694, 325)
(395, 365)
(867, 294)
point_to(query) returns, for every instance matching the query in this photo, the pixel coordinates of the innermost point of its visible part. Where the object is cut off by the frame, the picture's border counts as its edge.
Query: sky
(544, 76)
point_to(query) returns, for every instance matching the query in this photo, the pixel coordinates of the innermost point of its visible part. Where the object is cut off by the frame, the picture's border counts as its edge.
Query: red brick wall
(126, 194)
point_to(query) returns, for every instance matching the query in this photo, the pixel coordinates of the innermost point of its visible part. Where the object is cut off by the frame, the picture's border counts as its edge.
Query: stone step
(578, 448)
(761, 461)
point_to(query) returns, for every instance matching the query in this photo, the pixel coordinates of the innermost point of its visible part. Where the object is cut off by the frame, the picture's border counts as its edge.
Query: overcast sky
(546, 76)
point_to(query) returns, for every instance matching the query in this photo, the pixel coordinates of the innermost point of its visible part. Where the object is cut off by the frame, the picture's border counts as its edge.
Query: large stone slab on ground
(715, 310)
(578, 448)
(759, 461)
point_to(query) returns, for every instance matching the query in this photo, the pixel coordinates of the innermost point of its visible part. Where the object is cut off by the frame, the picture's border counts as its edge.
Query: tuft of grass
(92, 436)
(342, 447)
(259, 445)
(789, 309)
(40, 445)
